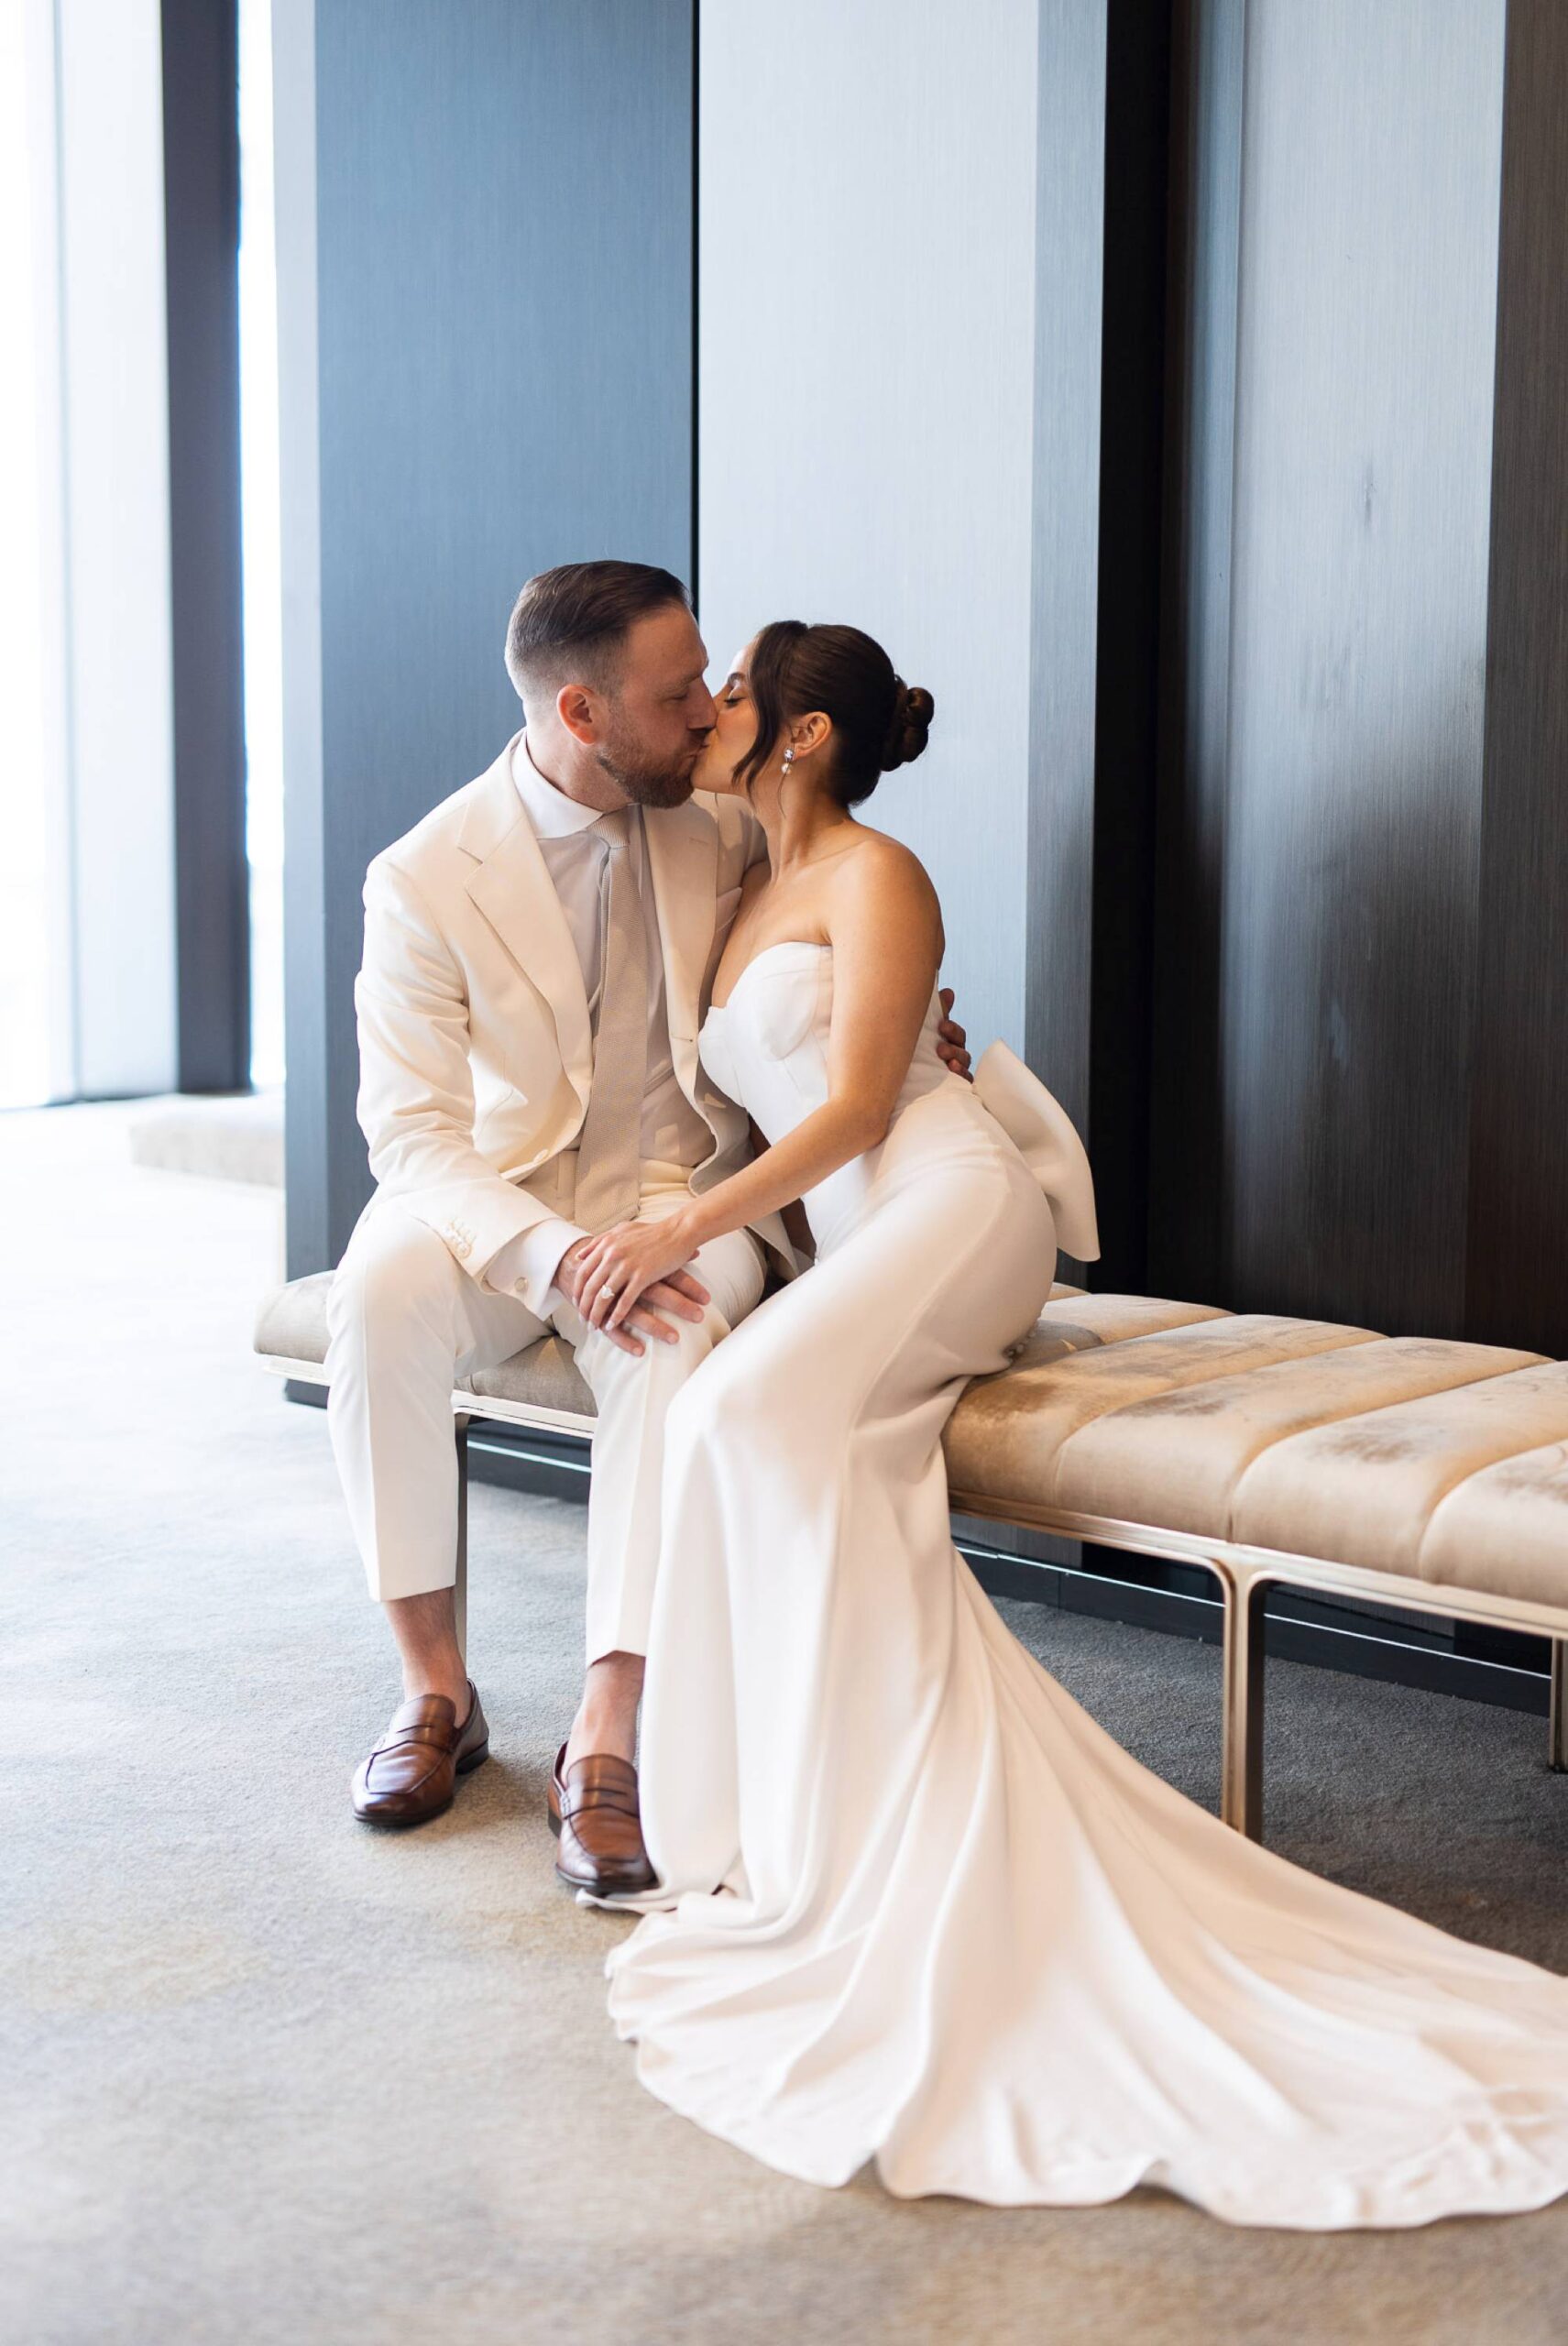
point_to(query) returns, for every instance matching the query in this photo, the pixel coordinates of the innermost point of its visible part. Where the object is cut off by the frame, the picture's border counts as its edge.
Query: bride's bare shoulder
(885, 865)
(882, 879)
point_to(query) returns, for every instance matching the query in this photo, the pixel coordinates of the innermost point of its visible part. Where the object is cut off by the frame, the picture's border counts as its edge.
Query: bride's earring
(789, 762)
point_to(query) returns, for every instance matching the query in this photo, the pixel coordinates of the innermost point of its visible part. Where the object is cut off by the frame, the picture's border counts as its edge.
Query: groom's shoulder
(466, 819)
(740, 833)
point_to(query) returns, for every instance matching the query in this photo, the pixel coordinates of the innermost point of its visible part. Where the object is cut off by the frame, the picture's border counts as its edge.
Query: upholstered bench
(1411, 1470)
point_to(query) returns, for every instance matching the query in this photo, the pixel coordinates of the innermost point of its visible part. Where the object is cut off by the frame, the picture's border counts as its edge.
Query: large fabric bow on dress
(1045, 1136)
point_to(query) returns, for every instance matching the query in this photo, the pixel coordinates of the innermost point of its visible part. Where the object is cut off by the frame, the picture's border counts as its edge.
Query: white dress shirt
(673, 1132)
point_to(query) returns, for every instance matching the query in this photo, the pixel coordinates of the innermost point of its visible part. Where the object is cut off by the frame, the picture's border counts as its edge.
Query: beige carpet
(266, 2076)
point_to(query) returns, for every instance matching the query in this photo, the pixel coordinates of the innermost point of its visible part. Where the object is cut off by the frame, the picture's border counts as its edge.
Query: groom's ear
(580, 711)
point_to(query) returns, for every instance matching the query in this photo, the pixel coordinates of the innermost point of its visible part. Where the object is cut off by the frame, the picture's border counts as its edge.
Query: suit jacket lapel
(682, 861)
(511, 886)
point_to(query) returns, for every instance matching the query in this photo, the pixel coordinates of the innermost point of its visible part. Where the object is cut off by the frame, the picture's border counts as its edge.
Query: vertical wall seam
(1467, 1299)
(695, 558)
(67, 630)
(1223, 1170)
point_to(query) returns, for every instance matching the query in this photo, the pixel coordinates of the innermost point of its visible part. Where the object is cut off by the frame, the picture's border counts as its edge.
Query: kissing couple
(649, 1023)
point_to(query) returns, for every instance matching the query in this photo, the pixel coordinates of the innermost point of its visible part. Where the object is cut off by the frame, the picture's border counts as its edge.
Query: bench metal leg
(1557, 1729)
(1240, 1751)
(460, 1580)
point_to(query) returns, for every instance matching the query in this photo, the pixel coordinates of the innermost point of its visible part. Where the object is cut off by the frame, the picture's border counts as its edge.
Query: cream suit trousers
(405, 1321)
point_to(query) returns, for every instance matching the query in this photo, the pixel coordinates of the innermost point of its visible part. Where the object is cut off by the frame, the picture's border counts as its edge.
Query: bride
(915, 1905)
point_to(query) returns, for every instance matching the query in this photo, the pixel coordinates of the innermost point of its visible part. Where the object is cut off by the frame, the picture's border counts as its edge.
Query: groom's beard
(647, 784)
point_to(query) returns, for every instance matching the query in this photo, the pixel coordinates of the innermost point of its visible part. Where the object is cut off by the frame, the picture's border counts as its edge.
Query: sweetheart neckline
(780, 944)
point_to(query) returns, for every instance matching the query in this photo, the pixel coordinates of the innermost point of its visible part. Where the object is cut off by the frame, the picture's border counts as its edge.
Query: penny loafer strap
(599, 1804)
(599, 1782)
(426, 1731)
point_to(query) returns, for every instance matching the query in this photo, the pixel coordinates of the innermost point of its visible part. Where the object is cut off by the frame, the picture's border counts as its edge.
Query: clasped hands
(637, 1271)
(628, 1280)
(652, 1305)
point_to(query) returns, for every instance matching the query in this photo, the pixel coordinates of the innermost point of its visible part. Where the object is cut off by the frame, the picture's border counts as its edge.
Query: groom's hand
(679, 1297)
(951, 1038)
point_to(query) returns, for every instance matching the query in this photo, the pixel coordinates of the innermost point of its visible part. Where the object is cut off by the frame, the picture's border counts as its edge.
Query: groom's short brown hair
(569, 625)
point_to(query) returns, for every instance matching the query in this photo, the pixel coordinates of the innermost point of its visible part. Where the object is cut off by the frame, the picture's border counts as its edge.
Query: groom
(538, 953)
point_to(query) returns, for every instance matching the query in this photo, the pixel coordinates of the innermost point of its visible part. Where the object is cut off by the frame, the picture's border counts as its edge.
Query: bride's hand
(952, 1039)
(621, 1263)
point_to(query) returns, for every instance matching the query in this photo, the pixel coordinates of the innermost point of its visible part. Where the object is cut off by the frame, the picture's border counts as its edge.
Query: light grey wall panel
(115, 429)
(1358, 617)
(321, 1158)
(1069, 277)
(866, 343)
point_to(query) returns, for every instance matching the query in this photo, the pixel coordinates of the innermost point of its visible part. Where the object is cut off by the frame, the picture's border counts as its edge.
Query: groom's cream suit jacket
(475, 1052)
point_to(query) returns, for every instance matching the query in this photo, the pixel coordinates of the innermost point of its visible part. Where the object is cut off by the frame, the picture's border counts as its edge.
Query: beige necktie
(608, 1151)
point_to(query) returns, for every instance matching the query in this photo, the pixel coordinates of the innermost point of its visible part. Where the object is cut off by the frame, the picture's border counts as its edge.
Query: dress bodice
(766, 1047)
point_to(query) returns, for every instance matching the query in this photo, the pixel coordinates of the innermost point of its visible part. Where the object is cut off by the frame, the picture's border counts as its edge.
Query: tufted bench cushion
(1506, 1527)
(1244, 1453)
(1432, 1487)
(1415, 1455)
(1269, 1449)
(291, 1329)
(292, 1322)
(1015, 1434)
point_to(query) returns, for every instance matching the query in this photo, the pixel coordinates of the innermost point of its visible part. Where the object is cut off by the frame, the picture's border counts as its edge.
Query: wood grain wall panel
(1346, 896)
(502, 376)
(1519, 1139)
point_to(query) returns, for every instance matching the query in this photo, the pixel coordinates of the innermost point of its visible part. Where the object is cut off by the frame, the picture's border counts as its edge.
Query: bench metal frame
(1244, 1574)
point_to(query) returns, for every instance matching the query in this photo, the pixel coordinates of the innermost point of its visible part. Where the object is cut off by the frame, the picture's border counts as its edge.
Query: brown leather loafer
(593, 1810)
(412, 1773)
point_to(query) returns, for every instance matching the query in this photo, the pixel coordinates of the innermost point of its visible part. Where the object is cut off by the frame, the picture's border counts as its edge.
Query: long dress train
(916, 1905)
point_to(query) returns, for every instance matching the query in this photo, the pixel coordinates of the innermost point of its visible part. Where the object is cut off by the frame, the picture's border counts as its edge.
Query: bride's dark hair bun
(878, 720)
(912, 713)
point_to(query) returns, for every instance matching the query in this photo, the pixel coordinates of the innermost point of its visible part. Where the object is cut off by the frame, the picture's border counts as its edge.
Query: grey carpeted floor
(266, 2076)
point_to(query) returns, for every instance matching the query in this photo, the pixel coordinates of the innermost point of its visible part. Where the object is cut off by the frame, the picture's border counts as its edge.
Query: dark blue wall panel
(503, 275)
(201, 163)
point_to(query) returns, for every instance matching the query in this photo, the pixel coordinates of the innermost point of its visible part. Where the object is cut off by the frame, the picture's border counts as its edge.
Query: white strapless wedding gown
(916, 1906)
